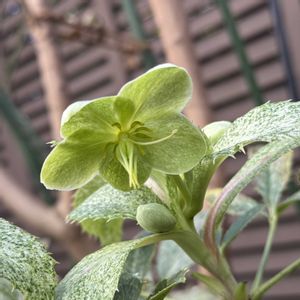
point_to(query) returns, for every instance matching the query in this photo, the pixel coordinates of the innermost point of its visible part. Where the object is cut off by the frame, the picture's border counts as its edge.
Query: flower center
(127, 151)
(123, 136)
(129, 147)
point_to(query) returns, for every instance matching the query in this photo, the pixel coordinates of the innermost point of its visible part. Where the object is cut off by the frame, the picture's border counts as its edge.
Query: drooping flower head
(124, 137)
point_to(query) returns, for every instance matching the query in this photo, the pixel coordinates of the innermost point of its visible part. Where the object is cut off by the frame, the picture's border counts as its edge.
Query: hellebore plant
(135, 156)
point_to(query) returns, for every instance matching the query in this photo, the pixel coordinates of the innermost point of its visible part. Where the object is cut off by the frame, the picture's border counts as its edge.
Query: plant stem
(186, 194)
(273, 220)
(183, 222)
(191, 243)
(279, 276)
(195, 248)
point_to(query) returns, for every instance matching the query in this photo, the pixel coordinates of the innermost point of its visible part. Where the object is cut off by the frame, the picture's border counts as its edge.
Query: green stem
(189, 241)
(195, 248)
(259, 274)
(202, 176)
(183, 188)
(187, 198)
(183, 222)
(279, 276)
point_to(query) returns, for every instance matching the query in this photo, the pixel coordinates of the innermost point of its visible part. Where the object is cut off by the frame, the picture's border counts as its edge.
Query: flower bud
(156, 218)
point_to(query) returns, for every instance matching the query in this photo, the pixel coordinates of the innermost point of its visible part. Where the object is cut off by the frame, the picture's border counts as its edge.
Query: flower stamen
(152, 142)
(126, 156)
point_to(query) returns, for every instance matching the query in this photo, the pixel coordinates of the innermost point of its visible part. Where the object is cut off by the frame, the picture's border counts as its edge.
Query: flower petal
(181, 151)
(73, 162)
(96, 115)
(163, 89)
(114, 173)
(72, 109)
(124, 110)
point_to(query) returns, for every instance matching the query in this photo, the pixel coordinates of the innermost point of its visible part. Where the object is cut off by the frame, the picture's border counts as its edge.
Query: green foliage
(240, 224)
(25, 263)
(109, 203)
(141, 134)
(193, 293)
(213, 284)
(272, 181)
(164, 286)
(88, 189)
(266, 123)
(239, 206)
(134, 272)
(106, 231)
(260, 161)
(241, 292)
(129, 287)
(139, 261)
(97, 275)
(171, 260)
(293, 199)
(8, 292)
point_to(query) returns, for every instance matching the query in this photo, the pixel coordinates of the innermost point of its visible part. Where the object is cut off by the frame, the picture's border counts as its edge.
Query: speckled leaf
(163, 89)
(84, 192)
(268, 122)
(212, 283)
(239, 206)
(291, 200)
(272, 181)
(193, 293)
(240, 224)
(261, 160)
(107, 232)
(138, 261)
(129, 287)
(110, 203)
(171, 259)
(164, 286)
(25, 263)
(8, 292)
(135, 269)
(96, 277)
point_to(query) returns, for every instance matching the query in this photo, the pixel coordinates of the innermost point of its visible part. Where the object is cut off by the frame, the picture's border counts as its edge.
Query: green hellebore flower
(124, 137)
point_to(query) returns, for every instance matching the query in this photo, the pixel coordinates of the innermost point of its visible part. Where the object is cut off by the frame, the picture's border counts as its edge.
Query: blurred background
(240, 53)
